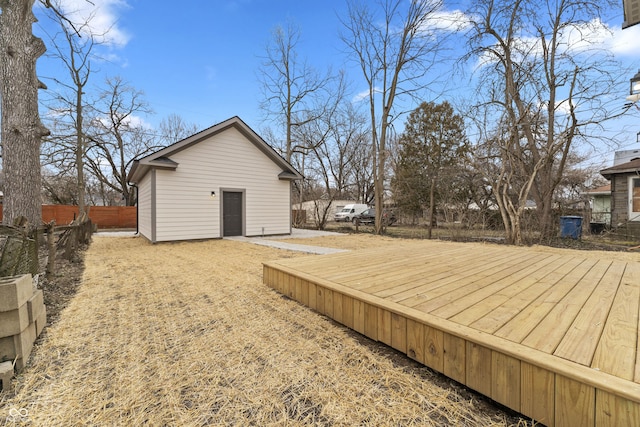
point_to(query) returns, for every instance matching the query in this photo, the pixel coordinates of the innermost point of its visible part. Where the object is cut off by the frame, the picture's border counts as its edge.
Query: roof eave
(596, 193)
(141, 167)
(608, 172)
(287, 175)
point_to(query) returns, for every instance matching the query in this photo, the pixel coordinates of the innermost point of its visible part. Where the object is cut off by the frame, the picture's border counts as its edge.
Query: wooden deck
(552, 336)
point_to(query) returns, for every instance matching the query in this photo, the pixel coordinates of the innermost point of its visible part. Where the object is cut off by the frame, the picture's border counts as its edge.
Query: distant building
(315, 207)
(600, 203)
(223, 181)
(625, 156)
(625, 195)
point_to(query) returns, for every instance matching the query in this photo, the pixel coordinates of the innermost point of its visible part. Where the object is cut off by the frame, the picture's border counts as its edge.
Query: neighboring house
(223, 181)
(600, 204)
(625, 156)
(625, 195)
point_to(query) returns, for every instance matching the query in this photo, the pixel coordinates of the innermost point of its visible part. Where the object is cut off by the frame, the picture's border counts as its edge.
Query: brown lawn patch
(186, 334)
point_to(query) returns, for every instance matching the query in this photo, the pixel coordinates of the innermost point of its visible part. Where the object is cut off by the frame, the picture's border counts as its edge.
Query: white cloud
(361, 96)
(138, 122)
(563, 107)
(449, 20)
(102, 18)
(583, 38)
(625, 42)
(132, 121)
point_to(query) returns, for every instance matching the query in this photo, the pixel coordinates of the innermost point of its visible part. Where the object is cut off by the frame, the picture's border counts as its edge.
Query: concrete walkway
(295, 234)
(119, 233)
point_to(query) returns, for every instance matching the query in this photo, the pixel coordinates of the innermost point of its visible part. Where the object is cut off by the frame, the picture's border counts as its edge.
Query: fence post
(51, 246)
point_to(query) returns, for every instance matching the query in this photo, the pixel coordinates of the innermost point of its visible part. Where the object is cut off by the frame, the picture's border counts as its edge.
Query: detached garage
(223, 181)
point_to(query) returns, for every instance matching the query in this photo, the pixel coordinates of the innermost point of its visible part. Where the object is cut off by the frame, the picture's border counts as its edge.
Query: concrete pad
(303, 233)
(295, 233)
(116, 233)
(319, 250)
(288, 246)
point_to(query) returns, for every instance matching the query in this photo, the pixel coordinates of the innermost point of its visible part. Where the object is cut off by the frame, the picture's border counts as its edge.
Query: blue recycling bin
(571, 227)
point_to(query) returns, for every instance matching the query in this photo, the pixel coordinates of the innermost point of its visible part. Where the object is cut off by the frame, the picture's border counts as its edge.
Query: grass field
(186, 334)
(605, 241)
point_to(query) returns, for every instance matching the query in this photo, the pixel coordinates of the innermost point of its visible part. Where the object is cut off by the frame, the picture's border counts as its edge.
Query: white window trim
(633, 216)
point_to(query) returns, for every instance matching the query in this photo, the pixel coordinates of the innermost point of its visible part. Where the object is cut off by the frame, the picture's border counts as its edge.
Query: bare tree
(59, 188)
(67, 144)
(394, 52)
(334, 142)
(118, 137)
(540, 83)
(498, 157)
(174, 128)
(293, 91)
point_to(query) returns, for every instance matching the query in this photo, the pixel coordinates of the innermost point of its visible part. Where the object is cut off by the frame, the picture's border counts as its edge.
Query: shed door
(231, 213)
(634, 199)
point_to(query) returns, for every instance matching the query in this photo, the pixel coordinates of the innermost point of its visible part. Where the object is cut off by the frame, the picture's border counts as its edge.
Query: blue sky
(200, 59)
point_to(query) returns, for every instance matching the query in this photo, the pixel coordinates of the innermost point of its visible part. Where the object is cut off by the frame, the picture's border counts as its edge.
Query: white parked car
(349, 212)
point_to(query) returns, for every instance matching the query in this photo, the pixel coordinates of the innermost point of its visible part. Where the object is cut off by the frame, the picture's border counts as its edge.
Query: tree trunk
(22, 130)
(516, 229)
(432, 207)
(80, 151)
(379, 169)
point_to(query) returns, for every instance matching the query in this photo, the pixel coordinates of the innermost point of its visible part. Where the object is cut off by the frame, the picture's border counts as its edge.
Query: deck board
(475, 294)
(518, 303)
(547, 334)
(495, 296)
(453, 277)
(620, 332)
(530, 316)
(551, 335)
(580, 341)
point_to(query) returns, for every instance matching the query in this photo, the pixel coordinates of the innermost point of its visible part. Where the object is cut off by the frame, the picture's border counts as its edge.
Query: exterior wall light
(213, 194)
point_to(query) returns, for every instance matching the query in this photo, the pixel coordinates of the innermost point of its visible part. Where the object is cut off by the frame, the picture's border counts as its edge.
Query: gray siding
(619, 200)
(620, 207)
(145, 207)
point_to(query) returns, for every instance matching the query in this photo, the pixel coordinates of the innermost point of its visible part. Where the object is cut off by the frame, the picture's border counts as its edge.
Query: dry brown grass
(186, 334)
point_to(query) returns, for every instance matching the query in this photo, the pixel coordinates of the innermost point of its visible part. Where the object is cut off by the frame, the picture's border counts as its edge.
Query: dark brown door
(231, 213)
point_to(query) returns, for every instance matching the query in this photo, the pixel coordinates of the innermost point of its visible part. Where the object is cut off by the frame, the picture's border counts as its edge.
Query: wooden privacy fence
(100, 216)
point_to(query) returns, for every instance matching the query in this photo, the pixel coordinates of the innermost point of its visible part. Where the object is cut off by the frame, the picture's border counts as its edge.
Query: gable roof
(629, 167)
(161, 158)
